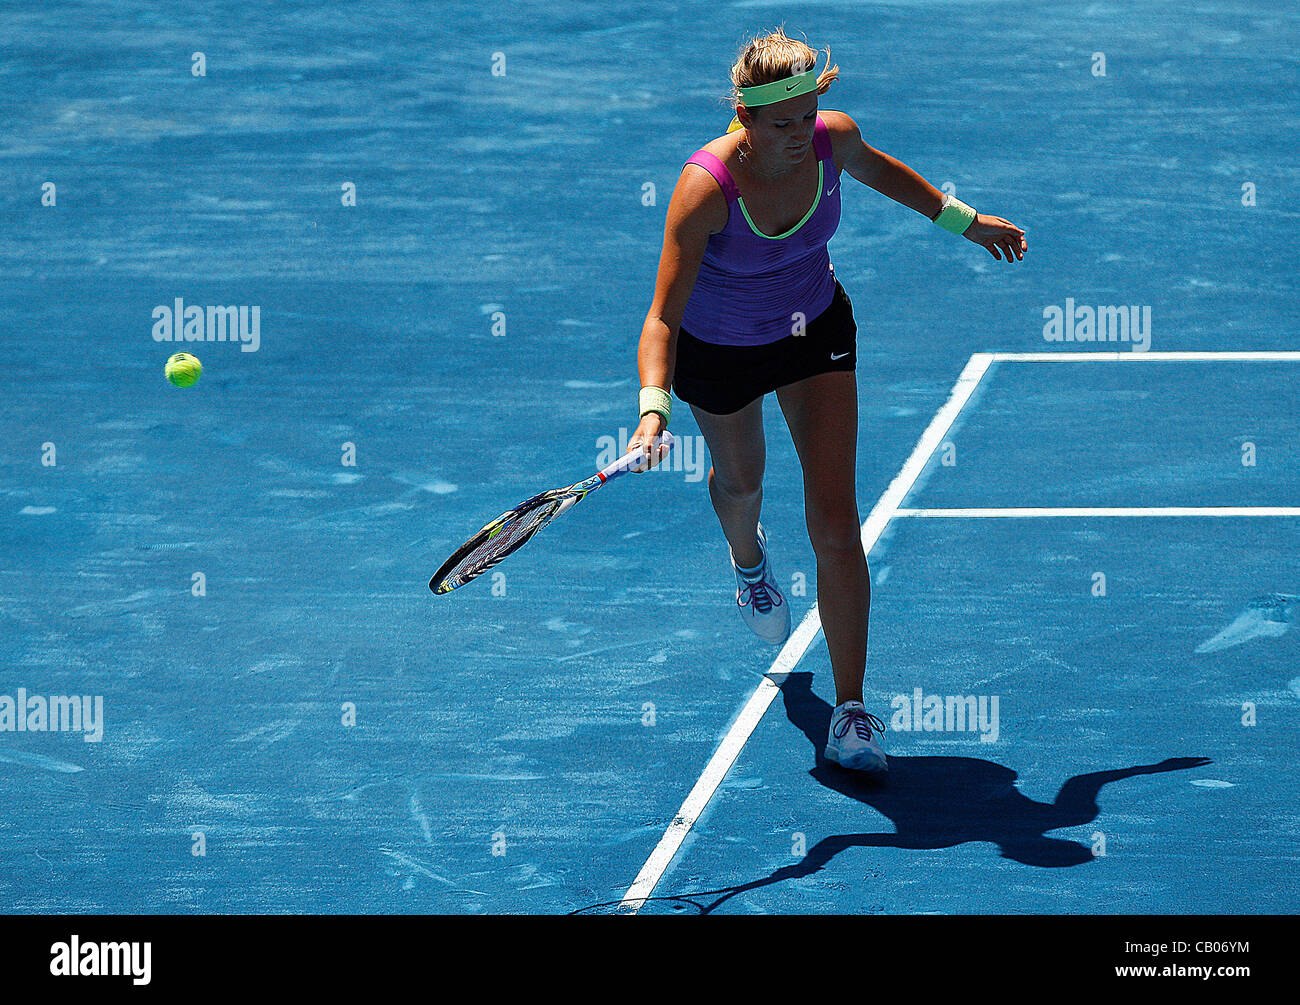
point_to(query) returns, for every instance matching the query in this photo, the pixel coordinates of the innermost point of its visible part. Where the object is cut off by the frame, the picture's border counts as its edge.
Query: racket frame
(568, 497)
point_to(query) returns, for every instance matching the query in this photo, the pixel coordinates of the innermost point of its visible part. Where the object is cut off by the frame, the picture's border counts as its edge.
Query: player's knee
(835, 533)
(740, 486)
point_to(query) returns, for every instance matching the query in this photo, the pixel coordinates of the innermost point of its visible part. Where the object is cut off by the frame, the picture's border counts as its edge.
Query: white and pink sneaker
(856, 739)
(761, 604)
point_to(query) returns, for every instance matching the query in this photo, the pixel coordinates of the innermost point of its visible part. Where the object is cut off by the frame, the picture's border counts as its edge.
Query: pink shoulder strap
(822, 140)
(719, 171)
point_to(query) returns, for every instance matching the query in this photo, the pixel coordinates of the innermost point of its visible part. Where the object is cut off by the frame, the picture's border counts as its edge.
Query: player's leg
(822, 413)
(736, 488)
(739, 453)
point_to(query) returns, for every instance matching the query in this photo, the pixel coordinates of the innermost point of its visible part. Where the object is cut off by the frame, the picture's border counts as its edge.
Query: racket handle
(634, 457)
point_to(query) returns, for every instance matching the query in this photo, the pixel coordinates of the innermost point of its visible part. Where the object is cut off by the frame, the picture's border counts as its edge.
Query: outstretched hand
(1003, 239)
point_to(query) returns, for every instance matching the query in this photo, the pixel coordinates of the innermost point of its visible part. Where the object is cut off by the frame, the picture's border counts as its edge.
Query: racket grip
(634, 457)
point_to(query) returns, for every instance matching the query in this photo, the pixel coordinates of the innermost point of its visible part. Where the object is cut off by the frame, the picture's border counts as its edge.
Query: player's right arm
(697, 209)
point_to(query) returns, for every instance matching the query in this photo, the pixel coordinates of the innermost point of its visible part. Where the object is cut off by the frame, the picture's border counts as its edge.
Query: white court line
(1244, 356)
(1062, 511)
(725, 756)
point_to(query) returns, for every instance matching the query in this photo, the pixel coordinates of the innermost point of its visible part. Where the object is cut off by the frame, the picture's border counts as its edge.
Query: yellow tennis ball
(183, 370)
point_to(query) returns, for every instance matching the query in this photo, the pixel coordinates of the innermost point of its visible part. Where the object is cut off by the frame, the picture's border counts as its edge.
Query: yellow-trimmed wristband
(955, 216)
(656, 399)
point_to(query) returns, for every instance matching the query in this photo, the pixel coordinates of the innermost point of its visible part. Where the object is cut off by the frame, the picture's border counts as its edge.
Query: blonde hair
(775, 56)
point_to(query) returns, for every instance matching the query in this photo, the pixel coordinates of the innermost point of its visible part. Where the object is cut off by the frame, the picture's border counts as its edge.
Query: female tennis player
(746, 302)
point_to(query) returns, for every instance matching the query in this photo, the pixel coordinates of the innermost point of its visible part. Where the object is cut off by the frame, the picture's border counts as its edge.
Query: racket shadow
(935, 803)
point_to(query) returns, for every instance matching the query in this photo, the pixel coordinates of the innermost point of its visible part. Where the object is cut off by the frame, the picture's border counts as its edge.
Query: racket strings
(491, 551)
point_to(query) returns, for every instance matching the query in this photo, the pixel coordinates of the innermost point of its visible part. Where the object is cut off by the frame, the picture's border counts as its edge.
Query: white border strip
(1246, 356)
(741, 730)
(1065, 511)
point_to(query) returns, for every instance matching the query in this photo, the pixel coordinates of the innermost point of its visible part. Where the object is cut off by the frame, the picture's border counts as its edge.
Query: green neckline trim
(821, 180)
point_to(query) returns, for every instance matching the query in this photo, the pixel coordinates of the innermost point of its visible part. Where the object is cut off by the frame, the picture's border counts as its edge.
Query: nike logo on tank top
(751, 285)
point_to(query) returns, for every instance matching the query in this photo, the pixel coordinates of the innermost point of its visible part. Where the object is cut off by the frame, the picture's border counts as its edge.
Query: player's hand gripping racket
(508, 532)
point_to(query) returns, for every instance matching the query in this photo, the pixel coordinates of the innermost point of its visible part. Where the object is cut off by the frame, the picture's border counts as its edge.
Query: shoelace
(759, 595)
(863, 723)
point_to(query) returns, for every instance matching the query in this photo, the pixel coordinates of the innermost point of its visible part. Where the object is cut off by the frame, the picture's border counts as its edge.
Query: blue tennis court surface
(1094, 557)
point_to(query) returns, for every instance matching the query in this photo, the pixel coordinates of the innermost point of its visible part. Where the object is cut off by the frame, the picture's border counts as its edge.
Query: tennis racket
(515, 527)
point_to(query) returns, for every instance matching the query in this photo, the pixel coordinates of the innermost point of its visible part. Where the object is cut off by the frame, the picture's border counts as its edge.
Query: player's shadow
(939, 802)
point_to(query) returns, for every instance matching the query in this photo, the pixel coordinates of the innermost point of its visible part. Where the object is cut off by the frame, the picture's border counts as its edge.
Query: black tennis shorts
(722, 379)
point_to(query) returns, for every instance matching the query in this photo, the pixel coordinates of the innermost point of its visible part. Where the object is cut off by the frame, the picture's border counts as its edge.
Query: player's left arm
(891, 177)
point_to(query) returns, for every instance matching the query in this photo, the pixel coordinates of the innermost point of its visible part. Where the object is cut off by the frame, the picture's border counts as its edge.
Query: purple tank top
(750, 286)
